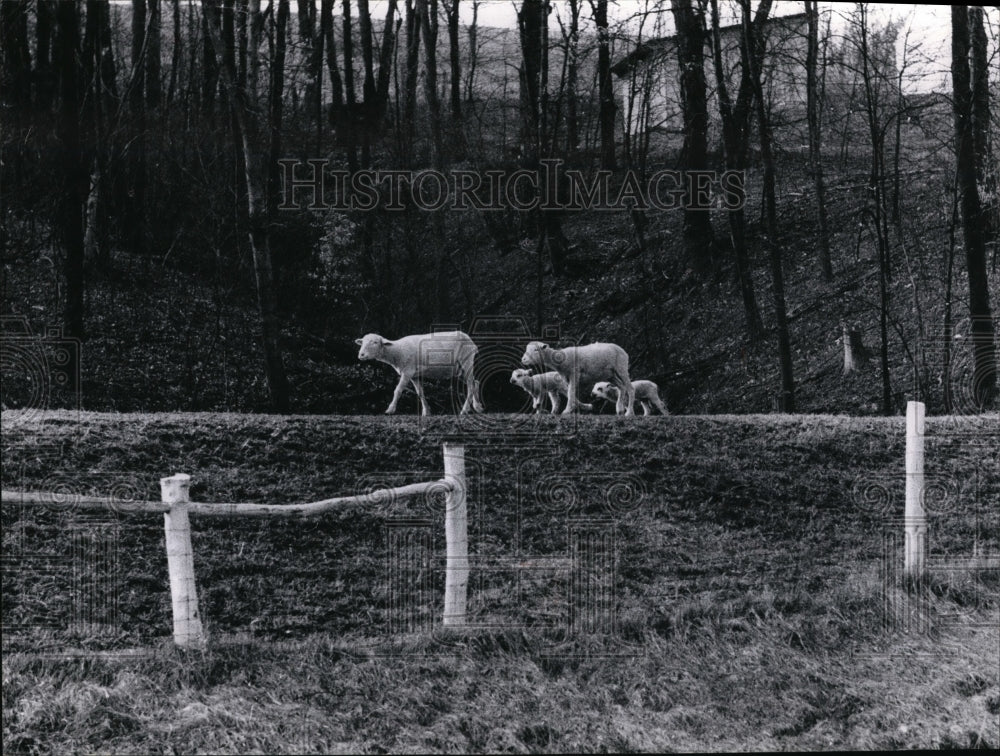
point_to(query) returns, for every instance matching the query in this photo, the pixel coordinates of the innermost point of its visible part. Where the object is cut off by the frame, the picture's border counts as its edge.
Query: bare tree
(605, 84)
(248, 120)
(154, 88)
(44, 70)
(872, 60)
(983, 338)
(75, 176)
(472, 31)
(986, 169)
(814, 110)
(734, 138)
(751, 52)
(455, 57)
(699, 241)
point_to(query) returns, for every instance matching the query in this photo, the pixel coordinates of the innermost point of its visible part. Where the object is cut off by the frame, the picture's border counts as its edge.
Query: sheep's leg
(403, 380)
(660, 405)
(473, 386)
(570, 398)
(554, 398)
(646, 409)
(536, 404)
(468, 397)
(470, 391)
(626, 398)
(418, 386)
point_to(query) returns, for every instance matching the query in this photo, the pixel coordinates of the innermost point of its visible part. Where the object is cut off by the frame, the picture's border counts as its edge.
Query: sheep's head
(604, 390)
(371, 346)
(535, 353)
(519, 375)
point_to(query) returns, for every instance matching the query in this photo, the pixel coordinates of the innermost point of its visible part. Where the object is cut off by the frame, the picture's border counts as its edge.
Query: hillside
(171, 321)
(162, 336)
(752, 605)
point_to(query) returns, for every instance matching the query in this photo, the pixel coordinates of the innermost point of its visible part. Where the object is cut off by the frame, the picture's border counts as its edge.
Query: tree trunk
(572, 78)
(175, 51)
(75, 179)
(986, 168)
(699, 241)
(275, 94)
(814, 106)
(605, 85)
(473, 35)
(153, 87)
(412, 70)
(255, 162)
(451, 11)
(242, 33)
(210, 64)
(750, 42)
(856, 355)
(735, 150)
(983, 339)
(427, 16)
(137, 144)
(316, 83)
(99, 73)
(45, 75)
(876, 188)
(307, 20)
(256, 24)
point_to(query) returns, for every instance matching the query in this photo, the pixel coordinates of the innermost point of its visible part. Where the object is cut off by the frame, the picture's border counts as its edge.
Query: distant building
(648, 79)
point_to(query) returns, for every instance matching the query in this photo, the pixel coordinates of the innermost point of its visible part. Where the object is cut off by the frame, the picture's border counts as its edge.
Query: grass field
(750, 604)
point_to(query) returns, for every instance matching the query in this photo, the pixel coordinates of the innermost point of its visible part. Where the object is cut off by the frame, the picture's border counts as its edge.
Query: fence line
(176, 507)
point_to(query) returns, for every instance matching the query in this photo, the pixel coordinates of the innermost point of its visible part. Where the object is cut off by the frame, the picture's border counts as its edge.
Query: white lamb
(646, 393)
(427, 355)
(537, 386)
(584, 366)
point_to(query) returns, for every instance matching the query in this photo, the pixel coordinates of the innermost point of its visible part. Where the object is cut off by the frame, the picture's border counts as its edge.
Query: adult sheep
(584, 366)
(425, 355)
(646, 393)
(537, 386)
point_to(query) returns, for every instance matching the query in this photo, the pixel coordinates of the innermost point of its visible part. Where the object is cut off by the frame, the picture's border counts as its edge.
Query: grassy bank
(749, 600)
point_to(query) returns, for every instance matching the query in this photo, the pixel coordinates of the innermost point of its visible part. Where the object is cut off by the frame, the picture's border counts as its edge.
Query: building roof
(657, 46)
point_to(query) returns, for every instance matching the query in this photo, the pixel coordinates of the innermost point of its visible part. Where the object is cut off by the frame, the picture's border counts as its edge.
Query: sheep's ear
(386, 342)
(359, 342)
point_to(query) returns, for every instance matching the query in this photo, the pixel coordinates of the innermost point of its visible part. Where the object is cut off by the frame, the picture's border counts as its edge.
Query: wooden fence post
(456, 533)
(914, 516)
(180, 561)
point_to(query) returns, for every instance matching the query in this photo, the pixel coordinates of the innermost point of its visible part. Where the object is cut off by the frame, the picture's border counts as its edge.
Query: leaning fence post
(914, 517)
(180, 561)
(456, 534)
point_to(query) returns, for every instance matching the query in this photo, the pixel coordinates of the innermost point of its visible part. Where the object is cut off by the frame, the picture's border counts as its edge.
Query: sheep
(537, 386)
(646, 393)
(426, 355)
(583, 366)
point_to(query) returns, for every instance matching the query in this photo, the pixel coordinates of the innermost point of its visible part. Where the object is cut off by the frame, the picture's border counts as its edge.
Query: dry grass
(751, 611)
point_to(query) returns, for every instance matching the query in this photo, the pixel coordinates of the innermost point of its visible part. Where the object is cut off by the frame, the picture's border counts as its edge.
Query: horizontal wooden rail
(71, 501)
(175, 506)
